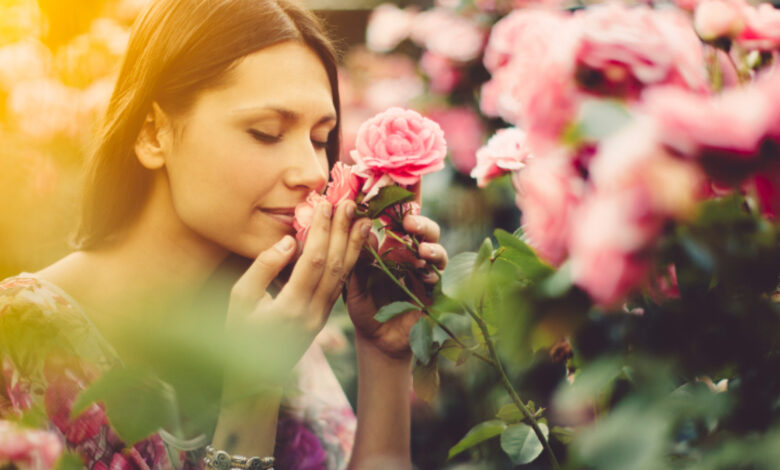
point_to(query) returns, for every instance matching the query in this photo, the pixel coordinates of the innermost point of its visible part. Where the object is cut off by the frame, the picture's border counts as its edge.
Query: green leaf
(393, 309)
(69, 461)
(478, 434)
(521, 444)
(517, 252)
(485, 252)
(510, 414)
(450, 350)
(388, 196)
(137, 404)
(456, 278)
(421, 340)
(509, 240)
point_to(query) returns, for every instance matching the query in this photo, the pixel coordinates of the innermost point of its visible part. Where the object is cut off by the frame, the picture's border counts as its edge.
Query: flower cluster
(394, 148)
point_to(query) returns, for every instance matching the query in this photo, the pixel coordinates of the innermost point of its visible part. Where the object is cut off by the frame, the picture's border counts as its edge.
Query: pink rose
(344, 185)
(715, 19)
(448, 34)
(606, 246)
(26, 448)
(401, 144)
(548, 193)
(625, 49)
(506, 151)
(762, 28)
(441, 72)
(388, 25)
(519, 33)
(304, 213)
(464, 132)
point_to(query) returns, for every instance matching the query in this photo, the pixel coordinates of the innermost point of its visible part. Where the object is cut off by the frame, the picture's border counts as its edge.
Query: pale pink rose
(724, 133)
(607, 245)
(634, 159)
(762, 28)
(27, 448)
(548, 194)
(389, 92)
(463, 131)
(304, 214)
(388, 26)
(344, 185)
(715, 19)
(373, 183)
(448, 34)
(401, 144)
(497, 98)
(624, 49)
(518, 33)
(442, 74)
(506, 151)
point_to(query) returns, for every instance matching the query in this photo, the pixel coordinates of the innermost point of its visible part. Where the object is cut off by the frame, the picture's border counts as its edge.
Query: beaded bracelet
(221, 460)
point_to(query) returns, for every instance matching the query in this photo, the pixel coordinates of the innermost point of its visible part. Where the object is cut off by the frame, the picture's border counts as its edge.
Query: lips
(284, 215)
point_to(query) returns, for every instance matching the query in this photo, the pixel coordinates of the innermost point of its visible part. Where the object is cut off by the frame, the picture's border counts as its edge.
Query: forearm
(247, 426)
(383, 410)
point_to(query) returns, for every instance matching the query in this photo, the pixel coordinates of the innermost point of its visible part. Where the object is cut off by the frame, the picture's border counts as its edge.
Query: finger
(308, 269)
(251, 286)
(424, 227)
(359, 236)
(335, 268)
(434, 253)
(429, 277)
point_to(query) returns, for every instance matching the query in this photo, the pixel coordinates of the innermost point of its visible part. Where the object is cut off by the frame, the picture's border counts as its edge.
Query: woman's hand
(288, 323)
(392, 337)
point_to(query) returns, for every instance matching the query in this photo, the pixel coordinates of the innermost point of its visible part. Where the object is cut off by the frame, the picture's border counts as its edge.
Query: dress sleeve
(43, 373)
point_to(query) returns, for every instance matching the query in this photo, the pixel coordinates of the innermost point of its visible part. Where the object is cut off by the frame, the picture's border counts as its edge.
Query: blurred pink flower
(463, 131)
(548, 193)
(724, 132)
(448, 34)
(389, 92)
(506, 151)
(28, 449)
(388, 25)
(715, 19)
(441, 72)
(606, 245)
(762, 28)
(625, 49)
(344, 185)
(304, 213)
(402, 144)
(518, 33)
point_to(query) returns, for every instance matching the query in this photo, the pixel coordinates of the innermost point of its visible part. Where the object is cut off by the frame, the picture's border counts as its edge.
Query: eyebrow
(286, 114)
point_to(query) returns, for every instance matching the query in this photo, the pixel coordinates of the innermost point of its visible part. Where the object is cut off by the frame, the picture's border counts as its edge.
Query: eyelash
(270, 139)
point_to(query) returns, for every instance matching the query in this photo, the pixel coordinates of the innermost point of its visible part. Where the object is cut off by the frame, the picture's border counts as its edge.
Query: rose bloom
(463, 131)
(28, 449)
(344, 185)
(518, 33)
(609, 235)
(762, 28)
(445, 33)
(388, 25)
(506, 151)
(297, 447)
(724, 132)
(548, 193)
(401, 144)
(624, 49)
(441, 72)
(304, 213)
(715, 19)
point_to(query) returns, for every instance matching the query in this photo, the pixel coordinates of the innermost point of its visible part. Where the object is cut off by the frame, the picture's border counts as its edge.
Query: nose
(308, 167)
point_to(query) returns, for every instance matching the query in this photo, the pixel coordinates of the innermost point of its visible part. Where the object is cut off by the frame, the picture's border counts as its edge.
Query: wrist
(369, 353)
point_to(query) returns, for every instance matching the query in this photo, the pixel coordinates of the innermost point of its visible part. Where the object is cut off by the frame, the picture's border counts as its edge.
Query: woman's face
(249, 151)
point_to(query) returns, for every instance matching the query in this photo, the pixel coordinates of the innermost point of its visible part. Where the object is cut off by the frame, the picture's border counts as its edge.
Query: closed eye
(263, 137)
(319, 144)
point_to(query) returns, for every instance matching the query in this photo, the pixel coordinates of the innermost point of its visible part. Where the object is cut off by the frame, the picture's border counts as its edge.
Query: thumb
(251, 286)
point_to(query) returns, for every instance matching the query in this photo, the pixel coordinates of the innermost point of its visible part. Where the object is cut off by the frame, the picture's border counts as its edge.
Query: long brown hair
(178, 48)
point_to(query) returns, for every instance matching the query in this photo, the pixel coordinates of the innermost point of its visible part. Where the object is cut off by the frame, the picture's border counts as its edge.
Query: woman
(224, 117)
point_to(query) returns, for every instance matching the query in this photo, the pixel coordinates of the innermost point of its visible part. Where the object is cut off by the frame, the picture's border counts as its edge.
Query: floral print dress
(50, 351)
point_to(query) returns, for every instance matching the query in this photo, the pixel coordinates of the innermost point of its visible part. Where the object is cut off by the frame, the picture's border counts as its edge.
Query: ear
(155, 139)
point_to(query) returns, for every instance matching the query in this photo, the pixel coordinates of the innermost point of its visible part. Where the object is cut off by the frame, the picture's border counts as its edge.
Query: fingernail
(327, 209)
(365, 229)
(285, 244)
(419, 264)
(350, 210)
